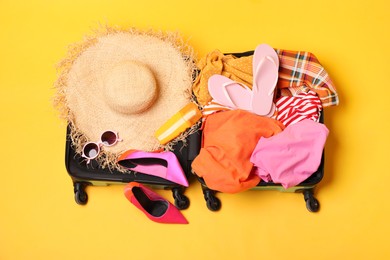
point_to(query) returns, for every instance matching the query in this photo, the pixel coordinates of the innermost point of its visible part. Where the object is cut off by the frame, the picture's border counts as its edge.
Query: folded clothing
(292, 156)
(229, 139)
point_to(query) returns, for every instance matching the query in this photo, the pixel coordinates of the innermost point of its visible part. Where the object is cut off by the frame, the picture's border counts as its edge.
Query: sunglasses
(92, 149)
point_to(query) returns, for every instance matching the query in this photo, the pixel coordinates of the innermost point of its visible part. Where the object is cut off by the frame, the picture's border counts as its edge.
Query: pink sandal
(265, 77)
(230, 93)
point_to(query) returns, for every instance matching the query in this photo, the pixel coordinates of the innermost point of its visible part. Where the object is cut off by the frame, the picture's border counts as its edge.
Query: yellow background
(38, 216)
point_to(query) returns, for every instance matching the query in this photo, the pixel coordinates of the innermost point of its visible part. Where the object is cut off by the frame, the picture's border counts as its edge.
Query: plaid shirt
(301, 71)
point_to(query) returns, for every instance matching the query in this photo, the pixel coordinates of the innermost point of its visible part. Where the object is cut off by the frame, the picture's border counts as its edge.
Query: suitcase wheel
(212, 202)
(181, 200)
(312, 203)
(80, 196)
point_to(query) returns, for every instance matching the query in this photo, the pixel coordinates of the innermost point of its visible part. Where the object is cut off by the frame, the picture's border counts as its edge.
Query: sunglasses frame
(99, 144)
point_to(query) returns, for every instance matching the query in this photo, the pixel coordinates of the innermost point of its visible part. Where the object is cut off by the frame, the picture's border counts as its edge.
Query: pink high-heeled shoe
(155, 207)
(164, 165)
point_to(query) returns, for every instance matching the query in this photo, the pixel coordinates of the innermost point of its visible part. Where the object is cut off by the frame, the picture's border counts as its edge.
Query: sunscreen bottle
(178, 123)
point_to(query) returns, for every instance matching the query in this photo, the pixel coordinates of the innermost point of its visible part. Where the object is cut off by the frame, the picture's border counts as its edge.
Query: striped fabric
(291, 110)
(214, 107)
(211, 108)
(301, 72)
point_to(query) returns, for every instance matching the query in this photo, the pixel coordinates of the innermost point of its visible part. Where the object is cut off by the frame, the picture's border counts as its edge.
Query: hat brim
(80, 87)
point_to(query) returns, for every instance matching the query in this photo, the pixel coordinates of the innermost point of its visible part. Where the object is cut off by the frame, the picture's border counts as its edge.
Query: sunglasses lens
(109, 138)
(91, 150)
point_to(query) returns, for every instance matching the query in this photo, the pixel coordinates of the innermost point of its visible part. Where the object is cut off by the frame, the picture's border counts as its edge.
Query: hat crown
(129, 87)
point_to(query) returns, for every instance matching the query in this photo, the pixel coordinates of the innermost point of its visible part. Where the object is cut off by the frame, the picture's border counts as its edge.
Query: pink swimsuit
(291, 156)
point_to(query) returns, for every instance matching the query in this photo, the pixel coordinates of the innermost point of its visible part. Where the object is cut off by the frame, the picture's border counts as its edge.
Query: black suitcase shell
(84, 175)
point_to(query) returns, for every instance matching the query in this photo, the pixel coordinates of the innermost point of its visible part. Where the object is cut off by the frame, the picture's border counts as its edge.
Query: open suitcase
(306, 187)
(84, 175)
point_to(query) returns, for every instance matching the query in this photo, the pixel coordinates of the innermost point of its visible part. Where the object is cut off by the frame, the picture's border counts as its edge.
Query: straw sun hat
(127, 81)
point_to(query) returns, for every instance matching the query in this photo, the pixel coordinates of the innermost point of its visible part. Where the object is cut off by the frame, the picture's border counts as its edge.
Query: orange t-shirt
(229, 139)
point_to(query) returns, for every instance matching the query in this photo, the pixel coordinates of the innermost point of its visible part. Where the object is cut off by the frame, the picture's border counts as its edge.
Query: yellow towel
(239, 70)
